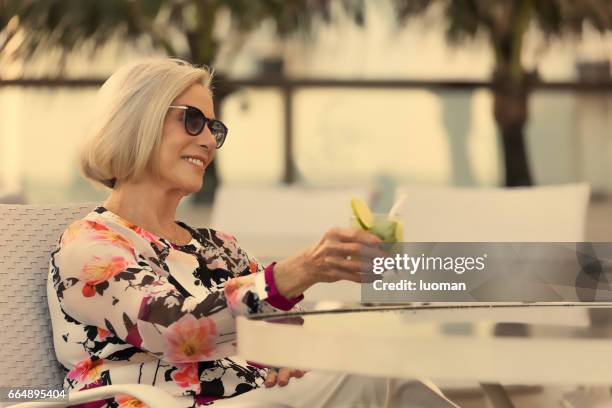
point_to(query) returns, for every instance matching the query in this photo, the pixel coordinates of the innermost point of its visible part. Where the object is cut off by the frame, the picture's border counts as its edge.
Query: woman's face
(184, 158)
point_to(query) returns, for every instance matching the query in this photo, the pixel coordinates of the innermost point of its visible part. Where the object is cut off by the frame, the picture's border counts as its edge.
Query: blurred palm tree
(31, 28)
(504, 23)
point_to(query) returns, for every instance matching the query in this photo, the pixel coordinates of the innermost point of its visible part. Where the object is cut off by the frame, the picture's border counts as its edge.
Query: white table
(539, 344)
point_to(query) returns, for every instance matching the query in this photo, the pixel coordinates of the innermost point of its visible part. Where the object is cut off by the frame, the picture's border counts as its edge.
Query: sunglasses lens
(194, 121)
(219, 131)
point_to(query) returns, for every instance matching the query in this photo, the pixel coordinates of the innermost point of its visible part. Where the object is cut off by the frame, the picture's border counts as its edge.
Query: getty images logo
(414, 264)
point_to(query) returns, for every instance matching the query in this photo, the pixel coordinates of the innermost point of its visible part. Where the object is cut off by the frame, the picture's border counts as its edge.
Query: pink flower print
(96, 226)
(216, 263)
(121, 242)
(133, 335)
(92, 404)
(103, 233)
(127, 401)
(124, 222)
(73, 232)
(86, 370)
(190, 339)
(187, 375)
(147, 235)
(231, 289)
(102, 333)
(97, 271)
(226, 237)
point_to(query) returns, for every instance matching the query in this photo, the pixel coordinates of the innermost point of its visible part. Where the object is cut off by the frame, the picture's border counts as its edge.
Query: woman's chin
(193, 188)
(189, 186)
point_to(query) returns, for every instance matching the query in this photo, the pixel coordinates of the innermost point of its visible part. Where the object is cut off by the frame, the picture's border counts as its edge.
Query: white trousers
(319, 389)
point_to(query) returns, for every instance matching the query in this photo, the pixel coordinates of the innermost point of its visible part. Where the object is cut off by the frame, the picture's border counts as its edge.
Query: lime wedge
(399, 231)
(362, 213)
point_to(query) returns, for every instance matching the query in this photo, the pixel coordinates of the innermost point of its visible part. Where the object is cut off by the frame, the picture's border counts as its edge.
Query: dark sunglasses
(194, 121)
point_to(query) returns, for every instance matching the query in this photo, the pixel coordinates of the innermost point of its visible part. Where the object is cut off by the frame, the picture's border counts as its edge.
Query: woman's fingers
(341, 254)
(271, 378)
(335, 274)
(344, 248)
(281, 376)
(354, 235)
(354, 250)
(297, 373)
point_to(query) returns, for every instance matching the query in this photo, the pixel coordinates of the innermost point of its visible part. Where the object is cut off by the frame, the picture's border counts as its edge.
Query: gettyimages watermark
(488, 272)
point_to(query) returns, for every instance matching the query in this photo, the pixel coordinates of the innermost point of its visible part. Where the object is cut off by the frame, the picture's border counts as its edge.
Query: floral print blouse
(130, 307)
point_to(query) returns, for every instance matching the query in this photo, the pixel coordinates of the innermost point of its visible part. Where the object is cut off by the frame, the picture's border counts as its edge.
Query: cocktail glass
(388, 229)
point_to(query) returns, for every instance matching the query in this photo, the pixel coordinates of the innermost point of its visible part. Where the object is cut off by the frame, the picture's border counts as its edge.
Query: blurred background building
(328, 93)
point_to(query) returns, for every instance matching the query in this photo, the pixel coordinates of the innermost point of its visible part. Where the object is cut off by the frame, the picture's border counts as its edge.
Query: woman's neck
(147, 206)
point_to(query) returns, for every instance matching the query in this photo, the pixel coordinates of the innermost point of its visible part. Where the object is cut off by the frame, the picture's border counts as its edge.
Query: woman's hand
(281, 376)
(337, 256)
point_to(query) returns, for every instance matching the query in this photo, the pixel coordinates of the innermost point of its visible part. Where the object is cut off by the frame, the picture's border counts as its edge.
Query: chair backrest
(28, 234)
(543, 213)
(12, 197)
(276, 221)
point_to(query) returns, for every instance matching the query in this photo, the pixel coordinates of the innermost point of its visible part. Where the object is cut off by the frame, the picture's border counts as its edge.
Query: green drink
(388, 229)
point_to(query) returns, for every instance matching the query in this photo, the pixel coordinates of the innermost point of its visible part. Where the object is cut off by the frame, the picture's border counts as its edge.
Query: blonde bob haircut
(125, 139)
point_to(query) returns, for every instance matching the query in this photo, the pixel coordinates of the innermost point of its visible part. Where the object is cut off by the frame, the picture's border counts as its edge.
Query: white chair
(448, 214)
(530, 214)
(273, 222)
(28, 234)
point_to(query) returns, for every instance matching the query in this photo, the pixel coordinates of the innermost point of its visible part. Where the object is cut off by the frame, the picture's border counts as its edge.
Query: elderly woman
(138, 297)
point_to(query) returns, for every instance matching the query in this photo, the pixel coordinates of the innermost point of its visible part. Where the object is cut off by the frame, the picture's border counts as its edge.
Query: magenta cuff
(274, 297)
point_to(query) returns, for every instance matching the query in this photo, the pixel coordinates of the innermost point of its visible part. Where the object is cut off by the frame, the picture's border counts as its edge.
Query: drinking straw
(395, 211)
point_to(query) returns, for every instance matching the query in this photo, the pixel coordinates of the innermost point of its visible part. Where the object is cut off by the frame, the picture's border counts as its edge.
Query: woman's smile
(195, 161)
